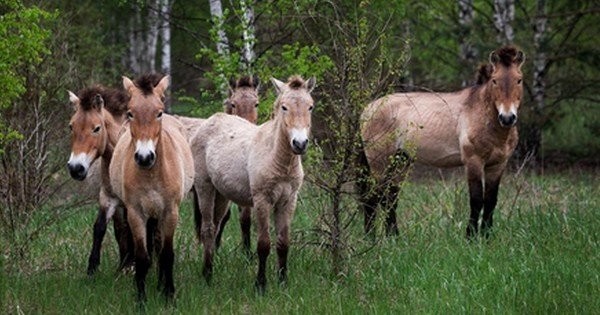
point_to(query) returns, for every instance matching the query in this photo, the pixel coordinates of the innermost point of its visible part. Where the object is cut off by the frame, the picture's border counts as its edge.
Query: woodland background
(357, 50)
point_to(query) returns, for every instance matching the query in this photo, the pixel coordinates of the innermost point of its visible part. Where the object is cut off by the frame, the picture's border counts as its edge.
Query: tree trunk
(165, 36)
(504, 14)
(468, 53)
(216, 11)
(248, 34)
(134, 42)
(539, 73)
(152, 37)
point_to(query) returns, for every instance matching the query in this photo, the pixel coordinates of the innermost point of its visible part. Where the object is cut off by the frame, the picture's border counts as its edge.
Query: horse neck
(284, 160)
(112, 128)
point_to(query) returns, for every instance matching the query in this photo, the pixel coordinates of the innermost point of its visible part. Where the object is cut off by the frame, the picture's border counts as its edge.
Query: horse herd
(150, 160)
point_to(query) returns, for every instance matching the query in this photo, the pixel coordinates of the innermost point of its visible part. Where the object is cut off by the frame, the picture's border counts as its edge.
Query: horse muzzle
(299, 146)
(507, 120)
(145, 160)
(77, 171)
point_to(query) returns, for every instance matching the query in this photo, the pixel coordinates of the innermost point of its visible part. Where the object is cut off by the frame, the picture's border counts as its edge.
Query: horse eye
(284, 108)
(97, 129)
(129, 115)
(256, 105)
(494, 81)
(70, 127)
(232, 105)
(310, 109)
(159, 114)
(519, 81)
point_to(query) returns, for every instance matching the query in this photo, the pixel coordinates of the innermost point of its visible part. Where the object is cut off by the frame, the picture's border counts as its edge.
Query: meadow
(543, 258)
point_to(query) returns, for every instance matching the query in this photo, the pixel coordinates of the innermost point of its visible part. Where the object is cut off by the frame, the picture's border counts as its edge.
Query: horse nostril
(300, 145)
(507, 120)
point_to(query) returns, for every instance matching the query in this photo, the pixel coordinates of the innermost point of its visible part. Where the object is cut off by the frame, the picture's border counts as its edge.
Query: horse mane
(246, 81)
(507, 55)
(147, 82)
(484, 74)
(115, 100)
(296, 82)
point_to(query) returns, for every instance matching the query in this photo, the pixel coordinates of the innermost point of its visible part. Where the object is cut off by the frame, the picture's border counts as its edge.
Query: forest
(357, 51)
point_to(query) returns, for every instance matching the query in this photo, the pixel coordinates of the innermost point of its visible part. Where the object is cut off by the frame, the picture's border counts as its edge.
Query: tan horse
(474, 127)
(254, 166)
(95, 125)
(151, 171)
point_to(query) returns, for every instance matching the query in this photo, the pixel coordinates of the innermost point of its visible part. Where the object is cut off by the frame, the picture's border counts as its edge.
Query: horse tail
(197, 215)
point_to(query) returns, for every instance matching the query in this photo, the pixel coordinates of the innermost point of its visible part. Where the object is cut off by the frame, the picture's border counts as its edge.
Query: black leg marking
(222, 227)
(99, 232)
(263, 249)
(476, 203)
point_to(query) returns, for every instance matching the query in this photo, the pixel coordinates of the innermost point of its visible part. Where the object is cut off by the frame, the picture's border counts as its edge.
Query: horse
(254, 166)
(243, 102)
(151, 171)
(95, 125)
(474, 127)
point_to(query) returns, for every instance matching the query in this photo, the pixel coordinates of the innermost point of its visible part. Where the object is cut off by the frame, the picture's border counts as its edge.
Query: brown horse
(95, 125)
(254, 166)
(474, 127)
(151, 171)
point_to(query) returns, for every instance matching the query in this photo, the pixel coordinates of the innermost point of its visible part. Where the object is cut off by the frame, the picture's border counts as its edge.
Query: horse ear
(520, 58)
(494, 58)
(256, 82)
(279, 86)
(162, 85)
(311, 83)
(74, 99)
(98, 102)
(128, 84)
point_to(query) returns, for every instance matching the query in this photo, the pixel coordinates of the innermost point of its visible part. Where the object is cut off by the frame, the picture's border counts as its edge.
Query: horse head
(243, 98)
(506, 83)
(88, 133)
(293, 107)
(145, 111)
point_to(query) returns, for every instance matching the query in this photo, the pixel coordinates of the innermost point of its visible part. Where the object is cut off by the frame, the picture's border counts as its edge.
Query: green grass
(543, 258)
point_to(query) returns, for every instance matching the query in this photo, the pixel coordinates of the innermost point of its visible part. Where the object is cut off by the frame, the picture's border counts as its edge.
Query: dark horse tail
(197, 215)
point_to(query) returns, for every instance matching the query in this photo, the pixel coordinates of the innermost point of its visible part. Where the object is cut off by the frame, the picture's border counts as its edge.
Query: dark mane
(247, 81)
(295, 82)
(484, 73)
(147, 82)
(115, 100)
(507, 55)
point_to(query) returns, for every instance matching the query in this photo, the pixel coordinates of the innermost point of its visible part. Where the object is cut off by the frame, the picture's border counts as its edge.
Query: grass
(543, 258)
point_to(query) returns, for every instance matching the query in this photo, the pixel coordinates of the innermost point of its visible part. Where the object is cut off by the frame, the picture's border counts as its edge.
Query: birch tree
(539, 71)
(504, 14)
(468, 53)
(216, 12)
(248, 35)
(165, 40)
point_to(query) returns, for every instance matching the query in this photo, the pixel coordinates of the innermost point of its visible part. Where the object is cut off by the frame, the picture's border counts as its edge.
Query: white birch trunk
(468, 53)
(504, 14)
(134, 42)
(152, 37)
(165, 34)
(216, 11)
(248, 33)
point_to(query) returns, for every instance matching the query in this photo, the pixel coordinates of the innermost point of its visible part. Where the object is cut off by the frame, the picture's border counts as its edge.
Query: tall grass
(543, 257)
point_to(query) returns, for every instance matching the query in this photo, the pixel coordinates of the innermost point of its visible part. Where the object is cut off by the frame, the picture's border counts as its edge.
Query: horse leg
(197, 214)
(222, 227)
(390, 205)
(492, 183)
(245, 224)
(263, 244)
(283, 220)
(206, 203)
(474, 177)
(124, 238)
(221, 216)
(368, 197)
(99, 232)
(142, 260)
(166, 255)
